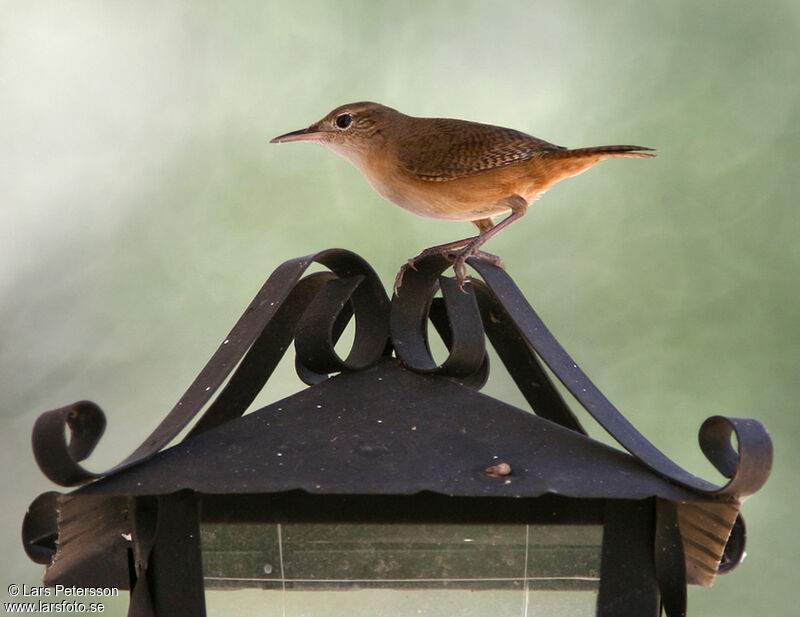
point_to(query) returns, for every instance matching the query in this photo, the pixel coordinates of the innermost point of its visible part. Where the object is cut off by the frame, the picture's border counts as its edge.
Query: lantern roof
(388, 430)
(390, 420)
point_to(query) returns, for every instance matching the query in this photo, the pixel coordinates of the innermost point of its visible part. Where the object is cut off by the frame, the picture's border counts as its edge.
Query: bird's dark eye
(344, 120)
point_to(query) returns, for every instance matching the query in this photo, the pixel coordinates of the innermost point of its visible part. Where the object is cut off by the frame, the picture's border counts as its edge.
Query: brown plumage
(451, 149)
(451, 169)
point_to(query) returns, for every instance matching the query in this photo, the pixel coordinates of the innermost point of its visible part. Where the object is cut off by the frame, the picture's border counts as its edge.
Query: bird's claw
(492, 259)
(459, 259)
(398, 280)
(460, 262)
(460, 269)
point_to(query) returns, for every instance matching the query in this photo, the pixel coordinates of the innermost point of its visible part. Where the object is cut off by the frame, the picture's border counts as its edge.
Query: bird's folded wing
(450, 149)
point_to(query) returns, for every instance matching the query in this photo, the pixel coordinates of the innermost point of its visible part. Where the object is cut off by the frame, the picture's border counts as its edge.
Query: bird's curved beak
(309, 134)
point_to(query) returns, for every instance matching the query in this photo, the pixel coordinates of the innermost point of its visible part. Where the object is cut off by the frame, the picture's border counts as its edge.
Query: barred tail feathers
(560, 164)
(636, 152)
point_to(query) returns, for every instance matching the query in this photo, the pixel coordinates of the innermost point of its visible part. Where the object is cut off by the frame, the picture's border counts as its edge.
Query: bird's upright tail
(634, 152)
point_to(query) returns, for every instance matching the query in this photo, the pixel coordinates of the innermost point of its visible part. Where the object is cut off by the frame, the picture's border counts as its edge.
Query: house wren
(451, 169)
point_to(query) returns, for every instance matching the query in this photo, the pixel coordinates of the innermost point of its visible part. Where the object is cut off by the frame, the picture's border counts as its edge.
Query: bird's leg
(483, 226)
(460, 250)
(442, 249)
(518, 207)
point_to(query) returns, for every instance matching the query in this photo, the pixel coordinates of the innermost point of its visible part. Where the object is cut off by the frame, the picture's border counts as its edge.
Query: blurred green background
(142, 208)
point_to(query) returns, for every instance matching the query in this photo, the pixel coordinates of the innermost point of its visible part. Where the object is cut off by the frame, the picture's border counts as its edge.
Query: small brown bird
(451, 169)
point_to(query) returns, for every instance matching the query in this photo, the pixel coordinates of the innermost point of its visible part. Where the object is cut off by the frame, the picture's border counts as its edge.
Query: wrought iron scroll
(746, 468)
(313, 310)
(259, 340)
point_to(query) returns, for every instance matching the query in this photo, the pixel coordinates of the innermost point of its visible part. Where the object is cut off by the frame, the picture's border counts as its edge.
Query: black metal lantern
(390, 485)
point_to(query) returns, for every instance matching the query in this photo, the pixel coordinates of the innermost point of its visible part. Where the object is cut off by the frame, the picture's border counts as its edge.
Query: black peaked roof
(387, 430)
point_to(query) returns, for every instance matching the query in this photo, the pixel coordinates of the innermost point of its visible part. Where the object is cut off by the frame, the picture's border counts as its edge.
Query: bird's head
(352, 130)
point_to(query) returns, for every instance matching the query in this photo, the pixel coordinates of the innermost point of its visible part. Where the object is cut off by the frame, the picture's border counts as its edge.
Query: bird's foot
(491, 258)
(398, 281)
(459, 259)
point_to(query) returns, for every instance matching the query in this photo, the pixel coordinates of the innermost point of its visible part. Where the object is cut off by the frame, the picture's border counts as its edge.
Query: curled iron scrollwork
(253, 347)
(313, 309)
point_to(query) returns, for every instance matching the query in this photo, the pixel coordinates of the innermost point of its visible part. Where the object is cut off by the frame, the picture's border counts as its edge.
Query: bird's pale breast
(467, 198)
